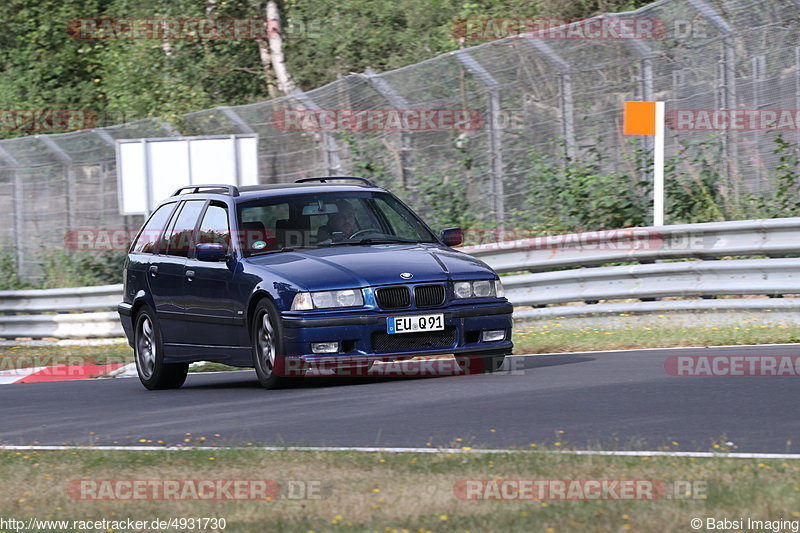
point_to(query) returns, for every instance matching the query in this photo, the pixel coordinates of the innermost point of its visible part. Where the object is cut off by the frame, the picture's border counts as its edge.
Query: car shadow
(543, 361)
(513, 366)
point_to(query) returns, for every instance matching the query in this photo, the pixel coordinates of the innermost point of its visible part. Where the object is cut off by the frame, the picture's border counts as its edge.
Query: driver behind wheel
(343, 222)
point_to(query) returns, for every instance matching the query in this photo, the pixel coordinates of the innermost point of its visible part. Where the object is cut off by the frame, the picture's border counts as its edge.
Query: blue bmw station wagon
(322, 272)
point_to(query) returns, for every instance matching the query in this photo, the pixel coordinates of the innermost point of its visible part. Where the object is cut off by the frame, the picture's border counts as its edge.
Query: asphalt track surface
(608, 400)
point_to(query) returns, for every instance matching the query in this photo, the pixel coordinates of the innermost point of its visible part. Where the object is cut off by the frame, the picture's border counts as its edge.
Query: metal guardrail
(771, 277)
(770, 237)
(61, 313)
(694, 268)
(91, 311)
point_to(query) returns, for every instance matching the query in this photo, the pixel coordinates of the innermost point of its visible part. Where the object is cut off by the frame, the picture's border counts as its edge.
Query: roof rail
(232, 190)
(325, 180)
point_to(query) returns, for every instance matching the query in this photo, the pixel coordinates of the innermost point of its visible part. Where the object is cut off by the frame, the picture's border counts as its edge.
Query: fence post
(797, 84)
(69, 175)
(728, 95)
(495, 131)
(17, 199)
(397, 101)
(231, 115)
(758, 66)
(331, 148)
(565, 91)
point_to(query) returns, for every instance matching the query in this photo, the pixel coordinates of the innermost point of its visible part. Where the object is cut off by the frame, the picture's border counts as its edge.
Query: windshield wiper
(379, 240)
(276, 251)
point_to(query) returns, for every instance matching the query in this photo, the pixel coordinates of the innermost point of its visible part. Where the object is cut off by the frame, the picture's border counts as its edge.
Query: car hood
(340, 267)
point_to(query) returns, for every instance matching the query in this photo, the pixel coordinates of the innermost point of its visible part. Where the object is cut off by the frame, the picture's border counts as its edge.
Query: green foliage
(10, 279)
(698, 190)
(694, 185)
(45, 67)
(363, 165)
(446, 202)
(65, 269)
(42, 66)
(579, 194)
(785, 201)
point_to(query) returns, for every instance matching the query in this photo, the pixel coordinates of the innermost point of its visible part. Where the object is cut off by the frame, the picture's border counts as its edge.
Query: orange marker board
(639, 118)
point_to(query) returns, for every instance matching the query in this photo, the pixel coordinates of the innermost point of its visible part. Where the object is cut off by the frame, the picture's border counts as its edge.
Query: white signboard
(150, 170)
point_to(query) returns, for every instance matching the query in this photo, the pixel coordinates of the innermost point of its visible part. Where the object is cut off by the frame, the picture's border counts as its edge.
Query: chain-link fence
(554, 97)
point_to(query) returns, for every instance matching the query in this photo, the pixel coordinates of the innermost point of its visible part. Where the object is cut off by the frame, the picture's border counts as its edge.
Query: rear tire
(480, 364)
(149, 354)
(269, 359)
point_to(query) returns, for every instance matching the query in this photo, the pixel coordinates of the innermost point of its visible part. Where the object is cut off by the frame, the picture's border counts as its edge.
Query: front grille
(401, 342)
(429, 295)
(393, 297)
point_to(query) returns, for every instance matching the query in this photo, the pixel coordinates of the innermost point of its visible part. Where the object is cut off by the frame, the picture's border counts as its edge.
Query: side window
(179, 238)
(403, 225)
(214, 226)
(146, 241)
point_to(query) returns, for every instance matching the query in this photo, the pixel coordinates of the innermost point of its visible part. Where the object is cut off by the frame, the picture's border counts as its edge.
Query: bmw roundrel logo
(406, 275)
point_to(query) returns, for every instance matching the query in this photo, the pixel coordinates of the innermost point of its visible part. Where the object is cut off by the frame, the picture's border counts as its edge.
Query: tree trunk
(285, 82)
(266, 64)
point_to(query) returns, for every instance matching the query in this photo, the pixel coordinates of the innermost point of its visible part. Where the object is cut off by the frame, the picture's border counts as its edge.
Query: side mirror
(452, 236)
(211, 251)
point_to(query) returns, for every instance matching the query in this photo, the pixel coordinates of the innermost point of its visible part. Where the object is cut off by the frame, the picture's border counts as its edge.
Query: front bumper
(363, 336)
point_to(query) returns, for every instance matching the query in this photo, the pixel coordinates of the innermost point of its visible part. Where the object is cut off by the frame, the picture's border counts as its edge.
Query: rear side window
(214, 227)
(148, 237)
(179, 239)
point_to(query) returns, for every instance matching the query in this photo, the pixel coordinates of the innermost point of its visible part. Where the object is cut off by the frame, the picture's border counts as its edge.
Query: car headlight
(463, 289)
(303, 301)
(485, 288)
(499, 291)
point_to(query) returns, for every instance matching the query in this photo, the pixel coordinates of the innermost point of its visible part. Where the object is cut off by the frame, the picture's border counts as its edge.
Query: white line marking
(673, 348)
(373, 449)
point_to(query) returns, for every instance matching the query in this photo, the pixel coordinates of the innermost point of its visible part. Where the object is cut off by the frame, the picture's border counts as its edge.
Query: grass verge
(541, 337)
(556, 337)
(402, 492)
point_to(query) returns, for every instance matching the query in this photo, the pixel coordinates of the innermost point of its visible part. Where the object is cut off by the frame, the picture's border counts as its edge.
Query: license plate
(411, 324)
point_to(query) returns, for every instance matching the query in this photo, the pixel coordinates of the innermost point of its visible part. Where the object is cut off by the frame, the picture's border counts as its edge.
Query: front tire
(268, 355)
(149, 354)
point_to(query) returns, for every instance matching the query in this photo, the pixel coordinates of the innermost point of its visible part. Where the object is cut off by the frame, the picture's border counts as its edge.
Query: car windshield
(281, 223)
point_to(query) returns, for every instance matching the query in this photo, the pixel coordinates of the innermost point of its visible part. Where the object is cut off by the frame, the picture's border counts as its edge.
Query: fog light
(324, 347)
(493, 335)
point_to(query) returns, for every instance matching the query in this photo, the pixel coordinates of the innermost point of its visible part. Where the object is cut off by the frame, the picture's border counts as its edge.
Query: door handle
(190, 274)
(153, 270)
